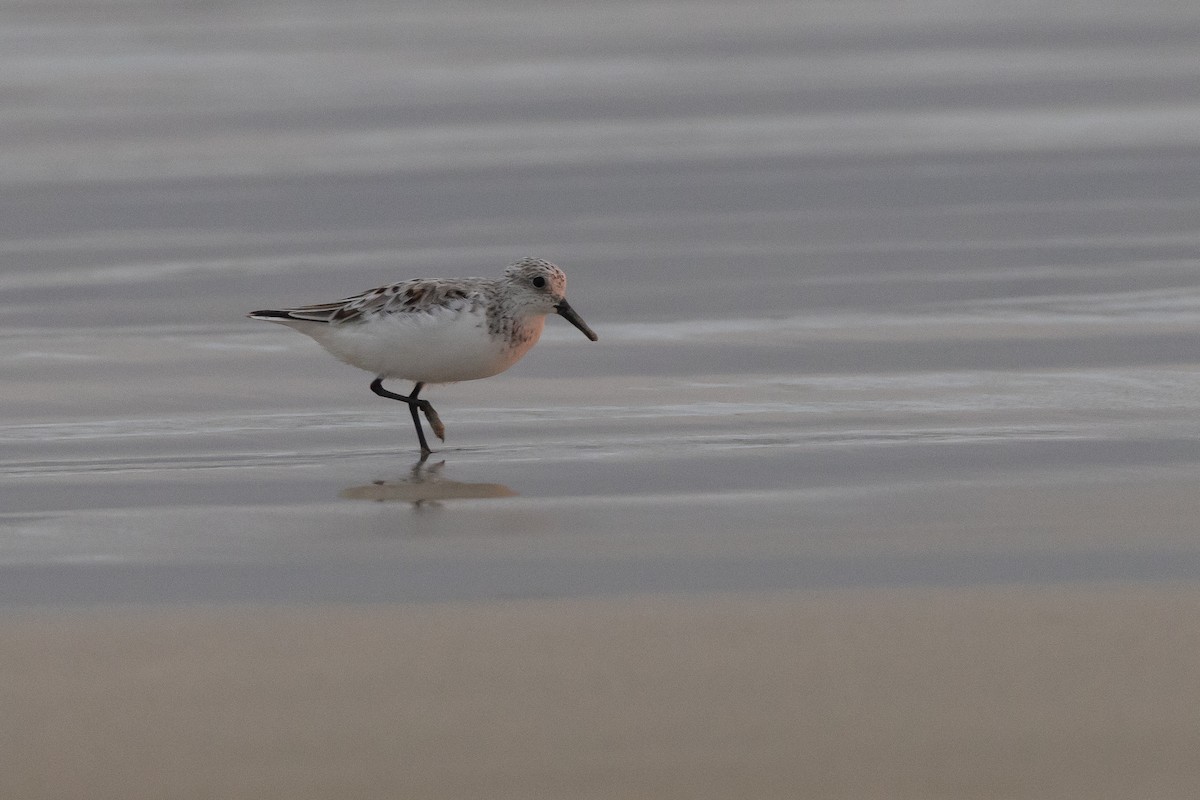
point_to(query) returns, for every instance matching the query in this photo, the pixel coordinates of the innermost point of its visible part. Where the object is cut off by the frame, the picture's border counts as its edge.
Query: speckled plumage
(437, 330)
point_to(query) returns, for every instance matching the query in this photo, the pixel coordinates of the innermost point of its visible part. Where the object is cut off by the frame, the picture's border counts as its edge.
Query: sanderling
(437, 330)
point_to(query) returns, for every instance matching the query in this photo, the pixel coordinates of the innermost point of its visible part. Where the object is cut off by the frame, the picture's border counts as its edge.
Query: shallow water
(885, 295)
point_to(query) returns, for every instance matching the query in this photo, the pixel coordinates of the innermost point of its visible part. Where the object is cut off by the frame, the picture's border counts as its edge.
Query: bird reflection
(425, 486)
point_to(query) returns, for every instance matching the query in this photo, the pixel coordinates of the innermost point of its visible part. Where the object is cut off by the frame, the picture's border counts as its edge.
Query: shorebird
(438, 330)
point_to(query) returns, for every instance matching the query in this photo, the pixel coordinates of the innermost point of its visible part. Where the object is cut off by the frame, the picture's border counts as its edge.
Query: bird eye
(539, 282)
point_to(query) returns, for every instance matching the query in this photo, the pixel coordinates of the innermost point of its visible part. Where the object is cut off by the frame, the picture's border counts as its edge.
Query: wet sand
(880, 481)
(1053, 692)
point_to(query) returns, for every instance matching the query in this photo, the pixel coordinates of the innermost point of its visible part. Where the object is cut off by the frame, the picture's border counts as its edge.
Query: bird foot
(435, 422)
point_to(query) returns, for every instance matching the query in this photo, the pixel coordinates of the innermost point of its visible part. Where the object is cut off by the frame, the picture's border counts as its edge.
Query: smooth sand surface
(1058, 692)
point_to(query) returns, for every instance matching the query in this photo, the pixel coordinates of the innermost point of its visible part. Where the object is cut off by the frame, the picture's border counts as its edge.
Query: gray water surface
(886, 294)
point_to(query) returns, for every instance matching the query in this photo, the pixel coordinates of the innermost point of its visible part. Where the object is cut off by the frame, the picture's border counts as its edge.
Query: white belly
(431, 348)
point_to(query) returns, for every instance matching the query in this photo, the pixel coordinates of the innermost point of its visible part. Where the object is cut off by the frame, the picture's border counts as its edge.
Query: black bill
(566, 312)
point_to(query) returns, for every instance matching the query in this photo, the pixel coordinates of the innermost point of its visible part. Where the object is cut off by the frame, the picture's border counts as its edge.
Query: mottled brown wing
(406, 297)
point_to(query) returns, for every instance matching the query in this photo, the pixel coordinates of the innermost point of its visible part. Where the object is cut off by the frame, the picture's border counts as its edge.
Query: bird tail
(269, 314)
(325, 312)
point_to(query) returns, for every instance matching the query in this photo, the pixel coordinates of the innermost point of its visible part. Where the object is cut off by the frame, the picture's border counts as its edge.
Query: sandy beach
(1073, 691)
(880, 481)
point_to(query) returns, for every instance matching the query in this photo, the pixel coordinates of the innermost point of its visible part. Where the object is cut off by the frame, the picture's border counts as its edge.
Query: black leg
(414, 403)
(416, 419)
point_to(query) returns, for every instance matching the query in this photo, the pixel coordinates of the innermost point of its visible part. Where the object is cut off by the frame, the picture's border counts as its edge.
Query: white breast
(442, 346)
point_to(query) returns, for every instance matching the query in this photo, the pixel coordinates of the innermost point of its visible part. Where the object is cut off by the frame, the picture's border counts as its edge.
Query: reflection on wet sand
(425, 485)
